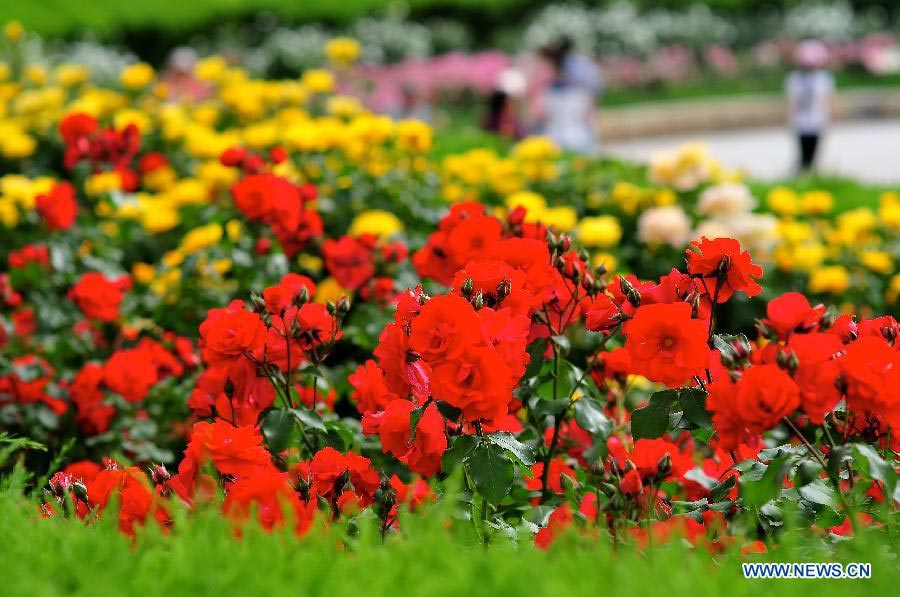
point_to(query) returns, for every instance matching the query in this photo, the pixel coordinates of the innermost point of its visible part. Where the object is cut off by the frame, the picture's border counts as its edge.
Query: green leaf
(492, 471)
(536, 354)
(877, 467)
(278, 429)
(817, 492)
(414, 417)
(762, 483)
(459, 450)
(309, 418)
(590, 417)
(693, 403)
(505, 440)
(718, 493)
(652, 421)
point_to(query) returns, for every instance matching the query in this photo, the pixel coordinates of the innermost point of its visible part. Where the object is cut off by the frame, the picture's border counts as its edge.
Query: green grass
(200, 556)
(717, 87)
(848, 193)
(108, 17)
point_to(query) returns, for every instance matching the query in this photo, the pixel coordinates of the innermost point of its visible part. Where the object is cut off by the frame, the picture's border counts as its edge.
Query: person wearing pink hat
(809, 90)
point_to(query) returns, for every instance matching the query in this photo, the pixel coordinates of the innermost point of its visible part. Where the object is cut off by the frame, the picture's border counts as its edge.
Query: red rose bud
(277, 155)
(418, 374)
(631, 483)
(263, 246)
(233, 156)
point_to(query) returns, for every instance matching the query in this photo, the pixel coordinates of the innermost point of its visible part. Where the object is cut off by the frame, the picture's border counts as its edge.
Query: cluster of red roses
(360, 264)
(809, 360)
(261, 196)
(250, 355)
(100, 147)
(454, 364)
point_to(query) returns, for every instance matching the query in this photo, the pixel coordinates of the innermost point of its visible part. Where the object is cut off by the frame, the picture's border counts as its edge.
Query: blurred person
(179, 76)
(809, 91)
(502, 115)
(566, 111)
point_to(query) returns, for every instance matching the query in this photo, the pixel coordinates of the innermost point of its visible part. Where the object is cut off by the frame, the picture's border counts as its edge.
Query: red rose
(232, 450)
(757, 402)
(59, 208)
(370, 392)
(350, 260)
(446, 325)
(77, 126)
(130, 373)
(477, 382)
(791, 312)
(227, 333)
(723, 258)
(423, 455)
(600, 313)
(871, 374)
(817, 373)
(665, 344)
(98, 297)
(267, 492)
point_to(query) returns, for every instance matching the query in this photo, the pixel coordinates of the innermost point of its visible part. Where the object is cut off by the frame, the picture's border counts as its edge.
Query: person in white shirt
(809, 90)
(567, 106)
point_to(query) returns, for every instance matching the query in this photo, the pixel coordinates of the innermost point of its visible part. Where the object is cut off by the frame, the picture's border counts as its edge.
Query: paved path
(868, 150)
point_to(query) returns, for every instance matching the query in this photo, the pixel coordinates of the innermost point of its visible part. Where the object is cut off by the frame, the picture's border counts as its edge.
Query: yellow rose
(877, 261)
(783, 201)
(137, 76)
(382, 224)
(599, 231)
(318, 80)
(201, 238)
(816, 203)
(607, 260)
(329, 290)
(532, 202)
(143, 273)
(832, 279)
(342, 51)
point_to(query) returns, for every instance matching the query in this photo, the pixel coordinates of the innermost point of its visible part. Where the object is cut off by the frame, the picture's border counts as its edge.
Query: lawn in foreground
(201, 556)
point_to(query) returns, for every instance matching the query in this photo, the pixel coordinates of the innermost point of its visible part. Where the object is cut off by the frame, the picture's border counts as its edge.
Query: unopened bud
(332, 308)
(478, 301)
(630, 292)
(503, 289)
(787, 360)
(302, 297)
(159, 474)
(257, 303)
(601, 270)
(664, 466)
(724, 266)
(467, 287)
(343, 306)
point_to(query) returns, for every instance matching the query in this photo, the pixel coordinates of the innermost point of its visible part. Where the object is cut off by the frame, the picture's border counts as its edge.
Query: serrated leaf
(492, 471)
(693, 403)
(414, 417)
(508, 442)
(817, 492)
(877, 467)
(590, 416)
(278, 429)
(651, 421)
(460, 449)
(721, 490)
(309, 418)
